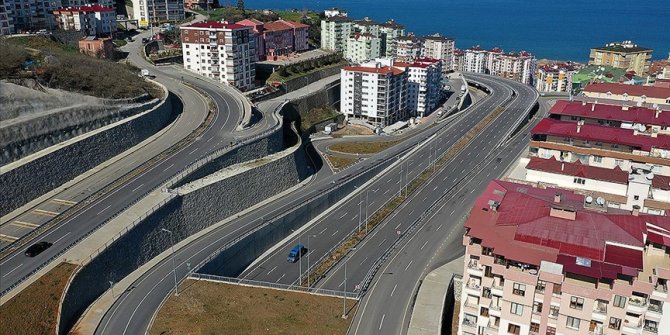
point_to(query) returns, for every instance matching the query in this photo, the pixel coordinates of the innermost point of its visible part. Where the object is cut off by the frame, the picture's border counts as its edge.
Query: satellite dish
(600, 201)
(650, 176)
(589, 199)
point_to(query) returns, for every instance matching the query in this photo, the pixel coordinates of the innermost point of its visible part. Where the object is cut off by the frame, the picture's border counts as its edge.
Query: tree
(240, 5)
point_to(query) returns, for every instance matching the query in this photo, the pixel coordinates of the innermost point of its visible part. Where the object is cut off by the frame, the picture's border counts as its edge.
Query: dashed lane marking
(8, 238)
(45, 213)
(63, 202)
(24, 224)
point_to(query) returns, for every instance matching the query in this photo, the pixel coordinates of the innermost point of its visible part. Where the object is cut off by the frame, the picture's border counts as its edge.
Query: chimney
(579, 127)
(658, 112)
(636, 210)
(624, 107)
(593, 107)
(557, 196)
(562, 167)
(583, 103)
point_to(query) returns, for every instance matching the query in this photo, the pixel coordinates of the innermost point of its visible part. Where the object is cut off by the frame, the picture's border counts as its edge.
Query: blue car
(297, 252)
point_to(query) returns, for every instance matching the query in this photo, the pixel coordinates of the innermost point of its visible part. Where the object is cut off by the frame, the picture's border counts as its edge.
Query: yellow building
(624, 55)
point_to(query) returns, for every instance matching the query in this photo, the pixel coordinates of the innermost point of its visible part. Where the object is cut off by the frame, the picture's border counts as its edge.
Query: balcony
(632, 323)
(494, 307)
(637, 305)
(469, 323)
(650, 328)
(473, 268)
(655, 307)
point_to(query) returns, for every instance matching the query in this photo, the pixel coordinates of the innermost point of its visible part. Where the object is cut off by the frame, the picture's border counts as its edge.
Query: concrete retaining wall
(184, 215)
(41, 175)
(305, 80)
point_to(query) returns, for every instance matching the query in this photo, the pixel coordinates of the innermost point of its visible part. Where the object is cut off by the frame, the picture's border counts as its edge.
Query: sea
(550, 29)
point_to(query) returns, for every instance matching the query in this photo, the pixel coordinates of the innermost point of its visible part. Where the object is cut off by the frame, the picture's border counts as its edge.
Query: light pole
(309, 251)
(360, 205)
(344, 295)
(174, 267)
(367, 204)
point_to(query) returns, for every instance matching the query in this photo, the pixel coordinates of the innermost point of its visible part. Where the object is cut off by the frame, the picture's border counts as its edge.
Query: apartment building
(633, 94)
(334, 12)
(555, 77)
(282, 38)
(439, 47)
(97, 47)
(30, 15)
(515, 66)
(374, 92)
(624, 55)
(550, 261)
(458, 62)
(6, 20)
(407, 48)
(198, 4)
(221, 51)
(362, 47)
(153, 12)
(389, 31)
(335, 31)
(257, 30)
(424, 86)
(474, 60)
(91, 20)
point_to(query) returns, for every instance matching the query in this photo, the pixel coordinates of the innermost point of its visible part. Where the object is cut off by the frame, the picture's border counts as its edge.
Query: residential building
(458, 62)
(474, 60)
(625, 55)
(154, 12)
(91, 20)
(407, 48)
(78, 3)
(335, 31)
(550, 261)
(97, 47)
(6, 19)
(362, 47)
(555, 77)
(29, 15)
(515, 66)
(388, 31)
(491, 56)
(221, 51)
(366, 25)
(374, 92)
(334, 12)
(257, 29)
(424, 84)
(282, 38)
(439, 47)
(198, 4)
(637, 94)
(604, 74)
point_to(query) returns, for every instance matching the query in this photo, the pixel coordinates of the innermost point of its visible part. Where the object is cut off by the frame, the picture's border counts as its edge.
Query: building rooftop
(661, 182)
(577, 169)
(86, 9)
(214, 25)
(528, 224)
(338, 18)
(625, 46)
(392, 24)
(632, 114)
(419, 62)
(631, 90)
(379, 70)
(438, 37)
(359, 35)
(596, 133)
(250, 22)
(280, 25)
(556, 67)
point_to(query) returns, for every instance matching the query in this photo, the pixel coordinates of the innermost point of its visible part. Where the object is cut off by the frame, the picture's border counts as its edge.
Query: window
(572, 322)
(614, 323)
(619, 301)
(580, 181)
(519, 289)
(516, 309)
(576, 303)
(534, 327)
(618, 162)
(537, 307)
(513, 329)
(551, 331)
(636, 197)
(553, 312)
(598, 159)
(540, 286)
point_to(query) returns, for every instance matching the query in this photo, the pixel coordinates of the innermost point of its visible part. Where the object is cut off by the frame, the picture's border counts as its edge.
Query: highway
(133, 310)
(16, 267)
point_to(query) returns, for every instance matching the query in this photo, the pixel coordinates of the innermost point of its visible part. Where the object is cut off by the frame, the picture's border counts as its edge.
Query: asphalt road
(15, 267)
(133, 310)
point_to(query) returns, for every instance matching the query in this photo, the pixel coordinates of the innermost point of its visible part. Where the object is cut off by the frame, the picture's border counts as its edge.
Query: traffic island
(339, 163)
(362, 148)
(35, 310)
(205, 307)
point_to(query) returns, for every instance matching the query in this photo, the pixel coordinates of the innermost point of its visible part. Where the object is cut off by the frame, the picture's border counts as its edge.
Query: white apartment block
(439, 47)
(389, 31)
(221, 51)
(91, 20)
(556, 77)
(374, 92)
(474, 60)
(518, 67)
(407, 48)
(334, 12)
(6, 20)
(366, 26)
(362, 47)
(153, 12)
(424, 85)
(335, 31)
(31, 15)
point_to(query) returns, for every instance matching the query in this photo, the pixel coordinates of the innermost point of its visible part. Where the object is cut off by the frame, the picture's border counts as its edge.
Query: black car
(37, 248)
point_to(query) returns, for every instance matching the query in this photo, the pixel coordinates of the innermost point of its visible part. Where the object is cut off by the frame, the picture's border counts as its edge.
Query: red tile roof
(634, 114)
(86, 9)
(631, 90)
(419, 62)
(661, 182)
(250, 22)
(214, 25)
(379, 70)
(577, 169)
(522, 229)
(283, 25)
(604, 134)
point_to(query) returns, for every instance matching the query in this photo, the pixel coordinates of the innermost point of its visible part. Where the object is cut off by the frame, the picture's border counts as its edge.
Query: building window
(576, 303)
(540, 286)
(580, 181)
(636, 197)
(553, 312)
(519, 289)
(619, 301)
(551, 331)
(618, 162)
(534, 327)
(516, 309)
(572, 322)
(513, 329)
(614, 323)
(537, 307)
(598, 159)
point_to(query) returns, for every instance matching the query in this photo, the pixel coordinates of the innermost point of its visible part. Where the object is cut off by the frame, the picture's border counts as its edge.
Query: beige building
(624, 55)
(555, 77)
(362, 47)
(439, 47)
(634, 94)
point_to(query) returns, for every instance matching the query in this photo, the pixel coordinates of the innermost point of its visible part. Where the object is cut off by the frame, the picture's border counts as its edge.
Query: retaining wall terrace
(41, 175)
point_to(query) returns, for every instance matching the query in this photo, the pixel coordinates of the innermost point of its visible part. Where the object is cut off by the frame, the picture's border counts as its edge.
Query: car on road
(297, 252)
(37, 248)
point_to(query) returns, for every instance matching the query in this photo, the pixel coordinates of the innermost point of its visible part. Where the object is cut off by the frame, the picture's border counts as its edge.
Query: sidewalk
(429, 304)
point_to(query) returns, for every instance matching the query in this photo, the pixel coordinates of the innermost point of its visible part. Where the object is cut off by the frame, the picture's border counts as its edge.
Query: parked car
(297, 252)
(37, 248)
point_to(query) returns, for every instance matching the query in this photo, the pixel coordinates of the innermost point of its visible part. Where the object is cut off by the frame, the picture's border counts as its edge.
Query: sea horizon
(554, 30)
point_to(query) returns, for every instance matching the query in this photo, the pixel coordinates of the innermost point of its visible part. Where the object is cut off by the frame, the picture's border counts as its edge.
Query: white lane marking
(171, 165)
(280, 278)
(342, 283)
(135, 189)
(452, 212)
(424, 245)
(209, 139)
(410, 263)
(387, 191)
(269, 272)
(380, 244)
(324, 229)
(394, 287)
(192, 151)
(354, 218)
(104, 209)
(381, 323)
(364, 259)
(60, 238)
(337, 231)
(12, 270)
(435, 189)
(438, 227)
(410, 212)
(343, 215)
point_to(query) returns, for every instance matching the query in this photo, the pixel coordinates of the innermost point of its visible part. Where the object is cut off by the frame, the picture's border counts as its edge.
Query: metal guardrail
(297, 288)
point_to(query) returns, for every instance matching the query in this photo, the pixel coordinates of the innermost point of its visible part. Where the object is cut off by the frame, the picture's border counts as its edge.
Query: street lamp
(174, 267)
(344, 295)
(360, 205)
(367, 204)
(309, 251)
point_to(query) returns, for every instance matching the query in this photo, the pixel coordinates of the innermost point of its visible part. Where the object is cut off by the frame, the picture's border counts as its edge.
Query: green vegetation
(56, 65)
(119, 43)
(34, 310)
(286, 73)
(339, 163)
(316, 115)
(215, 308)
(363, 148)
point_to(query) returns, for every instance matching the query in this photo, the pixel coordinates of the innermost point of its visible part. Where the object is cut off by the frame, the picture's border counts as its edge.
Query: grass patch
(316, 115)
(299, 16)
(120, 43)
(340, 162)
(293, 71)
(352, 129)
(362, 148)
(34, 310)
(215, 308)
